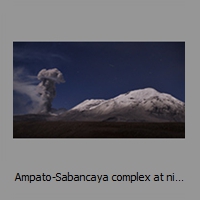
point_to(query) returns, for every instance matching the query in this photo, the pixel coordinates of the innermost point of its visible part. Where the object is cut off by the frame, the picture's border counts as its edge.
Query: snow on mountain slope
(88, 104)
(146, 105)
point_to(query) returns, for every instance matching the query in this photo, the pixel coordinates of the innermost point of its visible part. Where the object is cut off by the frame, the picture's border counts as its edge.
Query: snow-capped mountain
(143, 105)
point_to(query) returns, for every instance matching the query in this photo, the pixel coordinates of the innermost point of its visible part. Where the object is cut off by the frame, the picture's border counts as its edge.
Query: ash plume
(34, 97)
(47, 88)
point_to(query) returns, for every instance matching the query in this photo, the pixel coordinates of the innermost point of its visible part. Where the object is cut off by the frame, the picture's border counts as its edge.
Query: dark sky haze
(100, 70)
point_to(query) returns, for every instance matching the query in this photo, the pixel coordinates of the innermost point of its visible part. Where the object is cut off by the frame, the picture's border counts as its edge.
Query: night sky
(101, 70)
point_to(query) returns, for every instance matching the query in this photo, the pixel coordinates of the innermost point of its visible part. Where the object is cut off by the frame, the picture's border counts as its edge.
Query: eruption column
(47, 88)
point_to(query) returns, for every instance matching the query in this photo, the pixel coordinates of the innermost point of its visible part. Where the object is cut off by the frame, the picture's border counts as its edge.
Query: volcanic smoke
(47, 87)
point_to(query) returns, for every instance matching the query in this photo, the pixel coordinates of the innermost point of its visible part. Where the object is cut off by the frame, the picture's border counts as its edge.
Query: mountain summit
(143, 105)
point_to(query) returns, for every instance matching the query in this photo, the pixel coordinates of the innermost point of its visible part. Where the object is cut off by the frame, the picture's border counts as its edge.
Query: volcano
(143, 105)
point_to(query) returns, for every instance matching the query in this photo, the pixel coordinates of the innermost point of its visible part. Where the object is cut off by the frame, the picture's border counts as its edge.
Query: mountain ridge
(142, 105)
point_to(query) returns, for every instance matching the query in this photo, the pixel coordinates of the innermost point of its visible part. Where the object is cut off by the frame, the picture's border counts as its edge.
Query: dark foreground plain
(63, 129)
